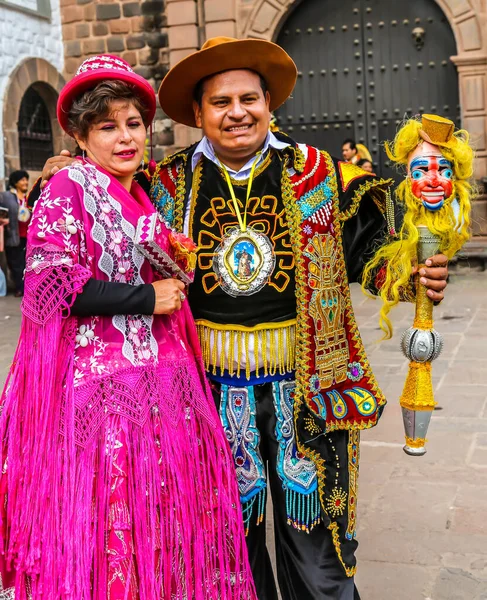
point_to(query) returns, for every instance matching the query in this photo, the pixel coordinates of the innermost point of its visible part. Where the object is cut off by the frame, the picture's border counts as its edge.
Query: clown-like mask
(431, 176)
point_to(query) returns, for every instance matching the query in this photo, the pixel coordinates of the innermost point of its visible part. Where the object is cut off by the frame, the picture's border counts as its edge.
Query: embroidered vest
(335, 386)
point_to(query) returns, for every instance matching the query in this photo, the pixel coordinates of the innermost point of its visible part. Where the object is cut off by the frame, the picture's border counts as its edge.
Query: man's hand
(169, 295)
(54, 164)
(4, 222)
(434, 276)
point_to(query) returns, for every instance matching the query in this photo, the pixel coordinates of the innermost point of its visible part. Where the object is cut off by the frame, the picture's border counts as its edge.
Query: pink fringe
(183, 505)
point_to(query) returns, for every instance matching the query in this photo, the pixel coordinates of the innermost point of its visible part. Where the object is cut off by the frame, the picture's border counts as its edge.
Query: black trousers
(16, 263)
(307, 565)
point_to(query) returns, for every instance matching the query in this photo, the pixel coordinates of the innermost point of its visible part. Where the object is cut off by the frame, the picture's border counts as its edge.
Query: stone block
(69, 33)
(265, 18)
(216, 10)
(71, 65)
(83, 1)
(73, 15)
(470, 34)
(82, 30)
(144, 71)
(176, 55)
(134, 42)
(89, 12)
(221, 28)
(473, 93)
(115, 44)
(94, 46)
(381, 581)
(156, 40)
(137, 24)
(72, 48)
(104, 12)
(119, 26)
(152, 7)
(457, 584)
(131, 9)
(99, 29)
(148, 56)
(183, 36)
(181, 13)
(130, 57)
(479, 216)
(185, 136)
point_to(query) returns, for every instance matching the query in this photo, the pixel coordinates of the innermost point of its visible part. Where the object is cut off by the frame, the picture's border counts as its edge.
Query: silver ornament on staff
(421, 344)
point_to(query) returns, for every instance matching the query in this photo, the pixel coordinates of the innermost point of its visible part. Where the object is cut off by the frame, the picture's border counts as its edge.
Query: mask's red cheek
(416, 187)
(447, 186)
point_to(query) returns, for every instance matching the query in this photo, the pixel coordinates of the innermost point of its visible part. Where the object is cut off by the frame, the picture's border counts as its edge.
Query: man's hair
(95, 105)
(200, 86)
(362, 162)
(16, 176)
(353, 145)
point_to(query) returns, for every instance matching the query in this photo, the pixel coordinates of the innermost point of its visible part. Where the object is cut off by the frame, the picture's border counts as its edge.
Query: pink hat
(96, 69)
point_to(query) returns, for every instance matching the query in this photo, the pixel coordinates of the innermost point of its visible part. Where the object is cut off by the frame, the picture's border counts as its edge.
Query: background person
(16, 231)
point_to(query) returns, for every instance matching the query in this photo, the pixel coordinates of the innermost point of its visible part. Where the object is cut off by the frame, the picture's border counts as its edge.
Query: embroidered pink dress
(117, 483)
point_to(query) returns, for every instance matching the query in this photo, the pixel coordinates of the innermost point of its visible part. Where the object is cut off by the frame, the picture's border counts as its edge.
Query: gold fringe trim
(273, 347)
(416, 442)
(333, 527)
(371, 186)
(418, 389)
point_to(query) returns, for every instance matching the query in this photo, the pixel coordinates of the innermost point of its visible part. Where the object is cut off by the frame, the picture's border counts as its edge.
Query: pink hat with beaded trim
(96, 69)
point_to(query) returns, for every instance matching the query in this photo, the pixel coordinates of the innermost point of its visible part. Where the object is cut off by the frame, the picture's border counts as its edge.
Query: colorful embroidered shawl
(92, 402)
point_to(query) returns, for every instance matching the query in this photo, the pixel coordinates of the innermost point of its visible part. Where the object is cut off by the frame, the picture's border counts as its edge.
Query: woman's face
(117, 142)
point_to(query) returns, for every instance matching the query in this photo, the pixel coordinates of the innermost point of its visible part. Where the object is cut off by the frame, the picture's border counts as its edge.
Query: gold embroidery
(333, 527)
(327, 309)
(353, 466)
(270, 341)
(337, 502)
(262, 217)
(377, 189)
(349, 172)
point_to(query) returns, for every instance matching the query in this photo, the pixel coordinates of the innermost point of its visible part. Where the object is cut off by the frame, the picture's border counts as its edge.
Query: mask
(431, 179)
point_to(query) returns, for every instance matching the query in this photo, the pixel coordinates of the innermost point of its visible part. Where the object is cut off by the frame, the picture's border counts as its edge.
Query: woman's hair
(95, 104)
(451, 223)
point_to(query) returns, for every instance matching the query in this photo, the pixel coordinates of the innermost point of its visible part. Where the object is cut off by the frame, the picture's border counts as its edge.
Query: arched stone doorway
(44, 79)
(266, 18)
(364, 66)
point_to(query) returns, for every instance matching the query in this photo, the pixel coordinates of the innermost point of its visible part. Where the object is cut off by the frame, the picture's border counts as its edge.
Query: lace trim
(120, 260)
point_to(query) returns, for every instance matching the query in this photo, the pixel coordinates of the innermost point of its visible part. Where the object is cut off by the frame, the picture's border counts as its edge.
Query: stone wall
(31, 52)
(135, 30)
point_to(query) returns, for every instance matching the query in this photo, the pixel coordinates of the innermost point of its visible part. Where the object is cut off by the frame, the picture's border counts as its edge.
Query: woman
(118, 479)
(16, 232)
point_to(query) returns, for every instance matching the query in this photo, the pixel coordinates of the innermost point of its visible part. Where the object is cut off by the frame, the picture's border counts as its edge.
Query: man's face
(431, 176)
(22, 185)
(347, 152)
(234, 114)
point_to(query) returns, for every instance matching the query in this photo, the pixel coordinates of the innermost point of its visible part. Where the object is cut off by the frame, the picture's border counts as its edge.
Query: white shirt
(204, 148)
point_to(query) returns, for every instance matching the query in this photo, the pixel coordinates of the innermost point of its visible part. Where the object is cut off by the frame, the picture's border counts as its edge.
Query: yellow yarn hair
(453, 231)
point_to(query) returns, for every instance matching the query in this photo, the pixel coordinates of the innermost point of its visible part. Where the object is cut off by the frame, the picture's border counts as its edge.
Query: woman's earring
(83, 154)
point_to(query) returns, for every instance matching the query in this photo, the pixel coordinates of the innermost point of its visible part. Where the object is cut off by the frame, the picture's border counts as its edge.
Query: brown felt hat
(220, 54)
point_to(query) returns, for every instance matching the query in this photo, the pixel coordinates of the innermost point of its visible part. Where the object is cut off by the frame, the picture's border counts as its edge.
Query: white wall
(26, 36)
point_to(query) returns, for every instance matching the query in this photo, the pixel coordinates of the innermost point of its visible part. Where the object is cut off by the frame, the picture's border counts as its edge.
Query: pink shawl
(73, 384)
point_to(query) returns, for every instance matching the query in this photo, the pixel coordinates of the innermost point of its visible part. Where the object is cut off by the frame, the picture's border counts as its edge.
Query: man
(280, 344)
(16, 231)
(349, 151)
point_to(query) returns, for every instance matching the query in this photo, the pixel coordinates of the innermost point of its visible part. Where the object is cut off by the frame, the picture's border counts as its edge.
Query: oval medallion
(243, 262)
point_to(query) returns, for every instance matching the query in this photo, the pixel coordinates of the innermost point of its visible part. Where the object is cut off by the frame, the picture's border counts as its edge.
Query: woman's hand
(434, 276)
(169, 296)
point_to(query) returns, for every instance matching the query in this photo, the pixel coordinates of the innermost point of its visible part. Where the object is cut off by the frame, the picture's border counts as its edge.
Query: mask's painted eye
(448, 173)
(417, 174)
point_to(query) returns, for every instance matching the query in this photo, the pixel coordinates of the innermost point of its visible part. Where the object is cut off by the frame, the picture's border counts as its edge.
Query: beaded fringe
(258, 502)
(303, 510)
(227, 348)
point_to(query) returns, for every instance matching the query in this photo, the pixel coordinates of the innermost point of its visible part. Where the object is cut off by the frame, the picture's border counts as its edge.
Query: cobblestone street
(423, 531)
